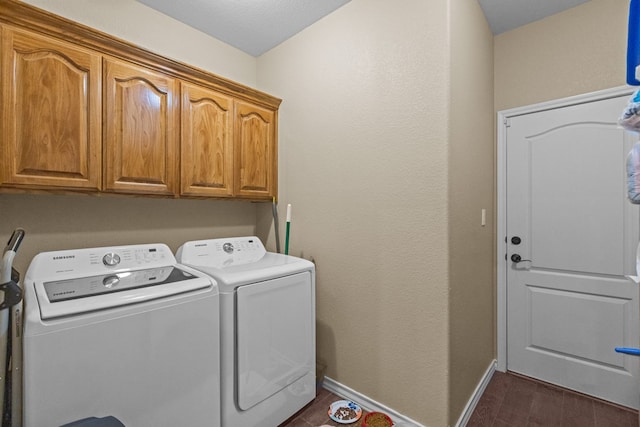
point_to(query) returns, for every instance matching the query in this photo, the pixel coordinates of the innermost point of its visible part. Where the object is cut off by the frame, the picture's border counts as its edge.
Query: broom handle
(286, 239)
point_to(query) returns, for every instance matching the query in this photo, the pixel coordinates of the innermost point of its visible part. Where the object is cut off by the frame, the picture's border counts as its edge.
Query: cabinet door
(206, 145)
(141, 132)
(255, 151)
(51, 113)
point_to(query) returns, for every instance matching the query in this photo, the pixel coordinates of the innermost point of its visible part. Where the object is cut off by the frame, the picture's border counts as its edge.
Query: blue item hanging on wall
(633, 44)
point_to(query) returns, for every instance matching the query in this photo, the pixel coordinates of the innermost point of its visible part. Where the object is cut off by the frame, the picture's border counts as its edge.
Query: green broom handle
(286, 239)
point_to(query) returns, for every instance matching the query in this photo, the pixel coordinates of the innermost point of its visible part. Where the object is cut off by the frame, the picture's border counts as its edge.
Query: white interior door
(569, 302)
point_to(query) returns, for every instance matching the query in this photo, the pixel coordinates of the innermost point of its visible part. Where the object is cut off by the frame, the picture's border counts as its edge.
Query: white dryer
(120, 331)
(267, 328)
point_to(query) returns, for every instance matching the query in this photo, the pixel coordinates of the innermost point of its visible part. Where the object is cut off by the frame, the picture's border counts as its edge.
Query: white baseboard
(475, 397)
(368, 404)
(400, 420)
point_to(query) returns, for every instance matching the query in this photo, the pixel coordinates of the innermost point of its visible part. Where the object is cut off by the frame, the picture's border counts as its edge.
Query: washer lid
(67, 297)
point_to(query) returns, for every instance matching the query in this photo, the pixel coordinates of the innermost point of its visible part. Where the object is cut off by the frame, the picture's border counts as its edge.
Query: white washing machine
(267, 328)
(120, 331)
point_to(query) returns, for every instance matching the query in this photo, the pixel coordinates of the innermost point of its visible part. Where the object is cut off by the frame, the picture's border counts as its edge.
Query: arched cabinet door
(51, 113)
(206, 142)
(255, 151)
(141, 130)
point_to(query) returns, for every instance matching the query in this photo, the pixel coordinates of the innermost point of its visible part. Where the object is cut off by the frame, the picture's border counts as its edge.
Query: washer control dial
(111, 259)
(110, 281)
(228, 248)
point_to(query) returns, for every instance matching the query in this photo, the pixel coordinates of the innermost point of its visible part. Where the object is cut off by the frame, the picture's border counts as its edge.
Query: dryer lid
(248, 262)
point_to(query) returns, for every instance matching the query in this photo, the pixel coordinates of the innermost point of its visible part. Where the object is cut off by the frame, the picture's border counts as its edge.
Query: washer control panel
(94, 261)
(130, 257)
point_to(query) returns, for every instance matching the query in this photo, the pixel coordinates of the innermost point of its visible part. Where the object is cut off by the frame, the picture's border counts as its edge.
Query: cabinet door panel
(255, 151)
(51, 109)
(140, 130)
(206, 145)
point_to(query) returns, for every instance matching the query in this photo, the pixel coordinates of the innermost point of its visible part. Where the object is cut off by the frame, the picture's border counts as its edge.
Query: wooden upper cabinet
(141, 130)
(51, 113)
(81, 110)
(206, 144)
(255, 151)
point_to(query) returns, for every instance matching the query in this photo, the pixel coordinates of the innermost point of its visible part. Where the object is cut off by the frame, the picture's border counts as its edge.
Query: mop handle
(286, 239)
(276, 226)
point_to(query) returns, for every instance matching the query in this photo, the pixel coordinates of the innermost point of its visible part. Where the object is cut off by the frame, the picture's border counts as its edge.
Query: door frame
(503, 117)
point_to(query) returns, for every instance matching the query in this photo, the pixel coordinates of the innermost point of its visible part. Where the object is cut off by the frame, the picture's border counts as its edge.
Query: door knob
(517, 258)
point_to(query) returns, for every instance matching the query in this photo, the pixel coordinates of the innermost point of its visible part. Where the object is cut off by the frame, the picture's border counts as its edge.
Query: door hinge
(507, 122)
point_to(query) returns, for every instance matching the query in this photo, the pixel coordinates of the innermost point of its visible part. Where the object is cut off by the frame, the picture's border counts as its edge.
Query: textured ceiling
(505, 15)
(253, 26)
(256, 26)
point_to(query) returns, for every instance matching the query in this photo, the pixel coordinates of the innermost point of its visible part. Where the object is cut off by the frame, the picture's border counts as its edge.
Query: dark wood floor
(508, 401)
(316, 413)
(511, 400)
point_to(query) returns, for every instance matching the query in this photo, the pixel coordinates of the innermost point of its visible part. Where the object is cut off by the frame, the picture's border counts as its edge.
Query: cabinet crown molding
(37, 20)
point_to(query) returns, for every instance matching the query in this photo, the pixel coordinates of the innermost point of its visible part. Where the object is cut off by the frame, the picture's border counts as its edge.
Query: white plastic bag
(633, 174)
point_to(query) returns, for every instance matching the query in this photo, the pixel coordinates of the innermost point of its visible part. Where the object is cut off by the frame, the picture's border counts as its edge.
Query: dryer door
(275, 336)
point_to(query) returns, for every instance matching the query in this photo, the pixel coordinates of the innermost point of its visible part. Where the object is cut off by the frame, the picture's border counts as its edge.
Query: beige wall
(363, 161)
(577, 51)
(471, 189)
(55, 222)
